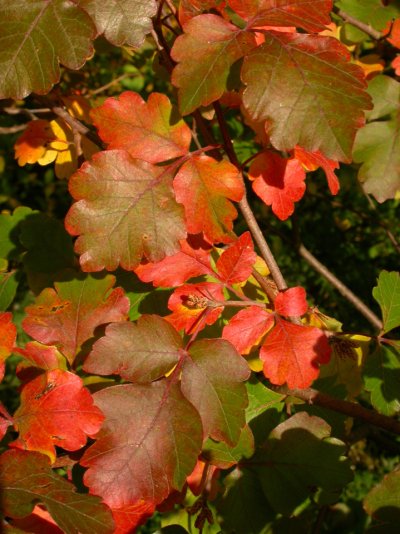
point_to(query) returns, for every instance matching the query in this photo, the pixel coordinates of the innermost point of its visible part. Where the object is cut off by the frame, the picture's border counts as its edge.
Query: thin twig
(340, 286)
(366, 28)
(5, 130)
(113, 82)
(312, 396)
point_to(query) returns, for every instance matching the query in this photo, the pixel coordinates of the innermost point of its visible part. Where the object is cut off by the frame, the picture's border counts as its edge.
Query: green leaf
(27, 477)
(374, 13)
(223, 456)
(212, 380)
(383, 503)
(387, 294)
(35, 37)
(298, 458)
(10, 229)
(126, 211)
(216, 44)
(382, 378)
(297, 83)
(50, 250)
(377, 145)
(8, 288)
(122, 21)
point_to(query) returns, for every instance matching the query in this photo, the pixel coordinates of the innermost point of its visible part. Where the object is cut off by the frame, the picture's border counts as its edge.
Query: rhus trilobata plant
(161, 356)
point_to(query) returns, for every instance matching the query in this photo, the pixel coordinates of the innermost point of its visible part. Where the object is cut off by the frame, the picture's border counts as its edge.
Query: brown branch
(5, 130)
(312, 396)
(340, 286)
(366, 28)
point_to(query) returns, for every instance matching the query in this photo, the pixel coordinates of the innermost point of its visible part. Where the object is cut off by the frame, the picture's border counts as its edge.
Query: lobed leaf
(55, 410)
(134, 352)
(212, 380)
(387, 294)
(311, 16)
(217, 45)
(247, 328)
(292, 302)
(205, 187)
(68, 315)
(150, 131)
(126, 211)
(148, 445)
(121, 21)
(27, 478)
(35, 38)
(312, 160)
(297, 83)
(292, 353)
(236, 262)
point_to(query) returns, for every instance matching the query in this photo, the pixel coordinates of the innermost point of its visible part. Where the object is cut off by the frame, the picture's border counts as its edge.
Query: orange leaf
(8, 335)
(236, 262)
(292, 302)
(32, 144)
(312, 160)
(247, 328)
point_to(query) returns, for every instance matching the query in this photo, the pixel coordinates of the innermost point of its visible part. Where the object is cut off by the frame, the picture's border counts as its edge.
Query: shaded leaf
(121, 21)
(383, 501)
(134, 352)
(311, 16)
(205, 187)
(247, 328)
(55, 410)
(382, 378)
(278, 181)
(312, 160)
(298, 458)
(222, 456)
(387, 294)
(10, 229)
(292, 353)
(38, 521)
(148, 131)
(212, 380)
(126, 211)
(190, 305)
(8, 288)
(28, 62)
(236, 262)
(216, 44)
(292, 302)
(192, 260)
(296, 83)
(27, 478)
(68, 315)
(372, 12)
(132, 461)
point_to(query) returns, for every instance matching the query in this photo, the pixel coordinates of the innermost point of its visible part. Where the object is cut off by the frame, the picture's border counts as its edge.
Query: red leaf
(235, 263)
(212, 380)
(5, 421)
(38, 522)
(313, 160)
(41, 356)
(204, 185)
(311, 16)
(279, 182)
(8, 335)
(55, 410)
(191, 8)
(148, 445)
(205, 53)
(192, 260)
(247, 328)
(32, 144)
(126, 210)
(291, 302)
(129, 517)
(146, 130)
(292, 353)
(189, 305)
(134, 352)
(68, 315)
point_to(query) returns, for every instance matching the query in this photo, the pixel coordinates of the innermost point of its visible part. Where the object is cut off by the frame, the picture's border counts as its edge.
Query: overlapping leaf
(148, 445)
(36, 36)
(55, 410)
(128, 518)
(312, 160)
(212, 378)
(387, 293)
(148, 131)
(247, 328)
(27, 478)
(236, 263)
(292, 302)
(134, 352)
(122, 21)
(216, 44)
(311, 16)
(205, 187)
(278, 181)
(292, 353)
(383, 502)
(126, 211)
(41, 356)
(377, 145)
(68, 315)
(221, 455)
(297, 83)
(8, 335)
(374, 13)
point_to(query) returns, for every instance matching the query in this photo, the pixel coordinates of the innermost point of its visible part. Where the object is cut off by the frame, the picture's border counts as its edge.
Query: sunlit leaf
(387, 293)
